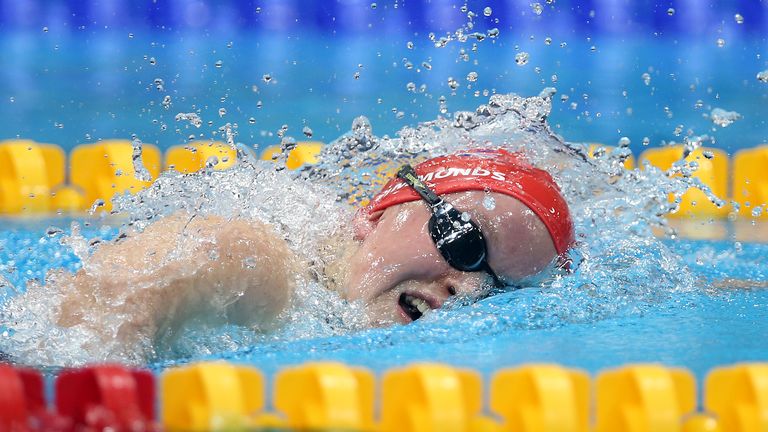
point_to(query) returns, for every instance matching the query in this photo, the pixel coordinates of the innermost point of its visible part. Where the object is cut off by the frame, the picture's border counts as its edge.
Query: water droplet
(307, 131)
(723, 118)
(52, 231)
(409, 45)
(130, 35)
(489, 203)
(159, 84)
(646, 78)
(472, 76)
(738, 18)
(45, 29)
(720, 42)
(356, 75)
(152, 61)
(13, 99)
(400, 115)
(493, 33)
(230, 44)
(267, 78)
(671, 11)
(219, 64)
(166, 102)
(252, 120)
(411, 87)
(487, 11)
(536, 8)
(624, 142)
(699, 103)
(222, 112)
(465, 217)
(548, 41)
(563, 44)
(426, 66)
(763, 76)
(373, 5)
(452, 83)
(646, 141)
(521, 58)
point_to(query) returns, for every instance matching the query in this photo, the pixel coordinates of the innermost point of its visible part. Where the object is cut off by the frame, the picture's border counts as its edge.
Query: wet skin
(396, 255)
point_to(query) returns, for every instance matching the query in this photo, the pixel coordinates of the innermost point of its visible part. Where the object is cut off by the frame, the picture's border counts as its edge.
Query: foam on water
(620, 266)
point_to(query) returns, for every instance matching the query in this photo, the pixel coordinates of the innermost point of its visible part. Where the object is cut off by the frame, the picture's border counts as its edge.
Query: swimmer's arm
(182, 266)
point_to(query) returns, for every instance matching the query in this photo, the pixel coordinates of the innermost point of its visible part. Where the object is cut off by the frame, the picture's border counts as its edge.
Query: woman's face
(399, 273)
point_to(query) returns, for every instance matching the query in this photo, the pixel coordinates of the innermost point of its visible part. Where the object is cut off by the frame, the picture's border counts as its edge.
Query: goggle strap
(408, 174)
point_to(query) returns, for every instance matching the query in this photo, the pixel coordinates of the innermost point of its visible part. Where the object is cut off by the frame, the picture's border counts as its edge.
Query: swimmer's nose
(462, 283)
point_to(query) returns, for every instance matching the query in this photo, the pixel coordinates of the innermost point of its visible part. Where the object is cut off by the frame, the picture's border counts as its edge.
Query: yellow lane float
(643, 398)
(325, 396)
(106, 168)
(304, 153)
(712, 171)
(431, 397)
(196, 155)
(750, 182)
(738, 397)
(541, 398)
(28, 173)
(211, 397)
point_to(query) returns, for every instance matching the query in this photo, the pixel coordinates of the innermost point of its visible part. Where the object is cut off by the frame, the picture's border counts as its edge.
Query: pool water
(723, 321)
(682, 302)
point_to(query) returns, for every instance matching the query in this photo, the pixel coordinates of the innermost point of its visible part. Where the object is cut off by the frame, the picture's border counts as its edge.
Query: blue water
(714, 325)
(76, 87)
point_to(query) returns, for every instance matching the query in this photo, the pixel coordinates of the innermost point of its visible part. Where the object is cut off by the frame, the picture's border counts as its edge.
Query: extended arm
(178, 268)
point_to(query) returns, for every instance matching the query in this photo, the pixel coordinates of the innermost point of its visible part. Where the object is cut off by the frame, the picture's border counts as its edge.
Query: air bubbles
(671, 11)
(720, 42)
(45, 29)
(536, 8)
(251, 120)
(624, 142)
(763, 76)
(465, 217)
(487, 11)
(409, 45)
(646, 141)
(222, 112)
(521, 58)
(738, 18)
(152, 61)
(374, 5)
(646, 78)
(452, 83)
(159, 84)
(472, 76)
(130, 35)
(307, 131)
(547, 41)
(166, 102)
(266, 78)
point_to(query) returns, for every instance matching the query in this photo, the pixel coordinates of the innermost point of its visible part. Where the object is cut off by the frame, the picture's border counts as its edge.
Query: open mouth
(413, 307)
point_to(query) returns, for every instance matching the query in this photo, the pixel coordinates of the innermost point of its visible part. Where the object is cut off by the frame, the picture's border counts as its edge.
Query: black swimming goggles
(456, 235)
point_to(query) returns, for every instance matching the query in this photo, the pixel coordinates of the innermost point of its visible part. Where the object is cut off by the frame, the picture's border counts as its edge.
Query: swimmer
(455, 225)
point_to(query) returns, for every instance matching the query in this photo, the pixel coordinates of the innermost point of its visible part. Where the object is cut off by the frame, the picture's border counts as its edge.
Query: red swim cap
(492, 170)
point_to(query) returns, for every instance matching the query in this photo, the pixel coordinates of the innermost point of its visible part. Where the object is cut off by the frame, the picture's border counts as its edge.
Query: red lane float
(107, 397)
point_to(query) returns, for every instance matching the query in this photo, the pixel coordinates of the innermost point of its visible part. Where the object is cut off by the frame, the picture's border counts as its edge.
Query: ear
(363, 223)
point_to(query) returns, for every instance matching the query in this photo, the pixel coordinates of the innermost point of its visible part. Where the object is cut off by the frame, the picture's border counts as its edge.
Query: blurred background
(651, 71)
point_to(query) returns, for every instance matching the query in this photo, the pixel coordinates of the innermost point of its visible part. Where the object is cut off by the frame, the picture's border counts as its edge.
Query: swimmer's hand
(181, 267)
